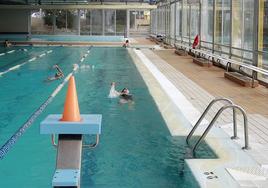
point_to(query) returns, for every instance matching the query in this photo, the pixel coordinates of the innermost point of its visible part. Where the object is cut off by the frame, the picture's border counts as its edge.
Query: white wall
(14, 21)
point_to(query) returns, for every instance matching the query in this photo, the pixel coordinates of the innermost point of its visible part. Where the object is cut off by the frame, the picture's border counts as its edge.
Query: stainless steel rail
(234, 107)
(204, 114)
(90, 146)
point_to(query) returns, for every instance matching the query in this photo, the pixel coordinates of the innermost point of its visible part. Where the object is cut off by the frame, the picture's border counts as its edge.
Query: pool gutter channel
(229, 153)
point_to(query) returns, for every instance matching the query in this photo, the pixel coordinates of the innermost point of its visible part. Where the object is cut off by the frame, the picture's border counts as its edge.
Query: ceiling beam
(117, 6)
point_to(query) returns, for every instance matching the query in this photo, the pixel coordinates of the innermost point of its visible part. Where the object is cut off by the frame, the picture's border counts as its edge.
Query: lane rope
(11, 51)
(30, 60)
(14, 138)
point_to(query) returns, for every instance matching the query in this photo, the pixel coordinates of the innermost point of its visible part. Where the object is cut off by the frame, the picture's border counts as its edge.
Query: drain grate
(210, 175)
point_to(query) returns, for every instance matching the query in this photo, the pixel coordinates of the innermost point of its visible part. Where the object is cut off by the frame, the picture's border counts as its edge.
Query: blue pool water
(62, 38)
(135, 150)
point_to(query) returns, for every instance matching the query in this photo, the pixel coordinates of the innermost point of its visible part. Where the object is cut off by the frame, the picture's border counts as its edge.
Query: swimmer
(28, 37)
(126, 44)
(58, 75)
(113, 93)
(125, 96)
(7, 44)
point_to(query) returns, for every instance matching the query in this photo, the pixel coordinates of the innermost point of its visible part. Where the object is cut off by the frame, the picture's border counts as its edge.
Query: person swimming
(7, 44)
(113, 93)
(58, 75)
(125, 96)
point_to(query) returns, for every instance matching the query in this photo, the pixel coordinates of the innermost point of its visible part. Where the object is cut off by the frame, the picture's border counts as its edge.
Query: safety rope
(8, 52)
(14, 138)
(30, 60)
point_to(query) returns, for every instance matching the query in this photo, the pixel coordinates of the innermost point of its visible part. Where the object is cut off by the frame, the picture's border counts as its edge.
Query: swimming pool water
(135, 150)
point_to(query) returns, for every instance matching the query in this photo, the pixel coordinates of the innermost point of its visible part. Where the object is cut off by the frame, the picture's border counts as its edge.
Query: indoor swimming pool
(136, 148)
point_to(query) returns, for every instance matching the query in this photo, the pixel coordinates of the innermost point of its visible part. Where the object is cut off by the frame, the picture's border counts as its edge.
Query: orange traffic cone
(71, 107)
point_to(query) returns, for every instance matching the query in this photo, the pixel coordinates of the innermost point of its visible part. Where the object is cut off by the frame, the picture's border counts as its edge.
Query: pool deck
(135, 42)
(199, 85)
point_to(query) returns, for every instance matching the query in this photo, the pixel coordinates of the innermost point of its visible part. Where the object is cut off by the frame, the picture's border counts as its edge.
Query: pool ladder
(229, 105)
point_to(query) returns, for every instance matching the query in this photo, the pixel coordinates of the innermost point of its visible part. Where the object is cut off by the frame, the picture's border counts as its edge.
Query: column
(127, 25)
(231, 30)
(114, 22)
(103, 22)
(54, 22)
(78, 21)
(91, 21)
(66, 21)
(29, 23)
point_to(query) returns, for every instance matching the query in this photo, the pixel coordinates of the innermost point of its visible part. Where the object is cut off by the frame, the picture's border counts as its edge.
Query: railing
(90, 146)
(232, 106)
(204, 114)
(211, 56)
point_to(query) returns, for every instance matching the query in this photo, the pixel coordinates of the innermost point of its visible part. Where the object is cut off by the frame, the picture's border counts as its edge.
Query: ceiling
(67, 2)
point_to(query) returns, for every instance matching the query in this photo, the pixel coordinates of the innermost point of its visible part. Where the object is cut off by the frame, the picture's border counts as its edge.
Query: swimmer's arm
(59, 70)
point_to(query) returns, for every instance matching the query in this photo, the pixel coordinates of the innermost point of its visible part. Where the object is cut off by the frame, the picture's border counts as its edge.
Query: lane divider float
(12, 51)
(14, 138)
(30, 60)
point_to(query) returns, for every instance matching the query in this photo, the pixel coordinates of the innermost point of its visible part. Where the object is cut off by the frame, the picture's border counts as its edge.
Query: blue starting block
(69, 147)
(89, 124)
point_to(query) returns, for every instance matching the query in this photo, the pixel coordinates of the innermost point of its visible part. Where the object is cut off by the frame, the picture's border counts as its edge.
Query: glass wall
(207, 24)
(178, 26)
(167, 23)
(42, 22)
(242, 34)
(110, 22)
(172, 22)
(194, 20)
(66, 22)
(222, 26)
(85, 20)
(185, 21)
(121, 18)
(236, 29)
(97, 22)
(263, 36)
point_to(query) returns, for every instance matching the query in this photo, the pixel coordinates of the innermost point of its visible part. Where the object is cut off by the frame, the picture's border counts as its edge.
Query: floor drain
(210, 175)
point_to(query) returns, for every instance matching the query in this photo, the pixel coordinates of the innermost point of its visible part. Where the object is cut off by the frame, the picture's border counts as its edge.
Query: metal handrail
(94, 145)
(216, 117)
(204, 114)
(53, 141)
(91, 146)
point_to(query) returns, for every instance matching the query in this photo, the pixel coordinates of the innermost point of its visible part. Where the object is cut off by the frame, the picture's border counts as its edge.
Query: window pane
(42, 22)
(185, 22)
(120, 22)
(109, 22)
(194, 20)
(178, 20)
(172, 21)
(207, 23)
(85, 26)
(222, 25)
